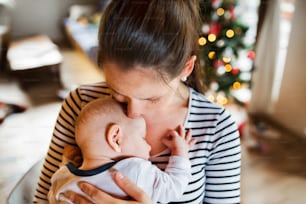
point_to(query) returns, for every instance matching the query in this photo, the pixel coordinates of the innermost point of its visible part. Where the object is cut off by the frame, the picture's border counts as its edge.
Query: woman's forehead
(137, 82)
(136, 70)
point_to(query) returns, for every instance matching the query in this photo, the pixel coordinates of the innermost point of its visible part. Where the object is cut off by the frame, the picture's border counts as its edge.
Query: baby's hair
(101, 110)
(98, 107)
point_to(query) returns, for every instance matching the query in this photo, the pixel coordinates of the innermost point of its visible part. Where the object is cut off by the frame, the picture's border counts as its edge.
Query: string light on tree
(236, 85)
(202, 41)
(220, 11)
(221, 70)
(230, 33)
(221, 99)
(228, 68)
(221, 41)
(211, 54)
(226, 59)
(212, 37)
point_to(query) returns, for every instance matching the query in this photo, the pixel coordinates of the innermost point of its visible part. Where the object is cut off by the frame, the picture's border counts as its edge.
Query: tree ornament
(215, 28)
(251, 54)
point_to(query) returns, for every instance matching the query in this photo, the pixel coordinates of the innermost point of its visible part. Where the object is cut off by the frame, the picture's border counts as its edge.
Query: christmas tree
(222, 44)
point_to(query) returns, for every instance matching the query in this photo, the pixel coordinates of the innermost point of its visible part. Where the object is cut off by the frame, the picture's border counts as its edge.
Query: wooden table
(34, 59)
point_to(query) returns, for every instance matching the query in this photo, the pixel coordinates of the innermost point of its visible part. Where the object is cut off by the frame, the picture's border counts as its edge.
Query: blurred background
(252, 53)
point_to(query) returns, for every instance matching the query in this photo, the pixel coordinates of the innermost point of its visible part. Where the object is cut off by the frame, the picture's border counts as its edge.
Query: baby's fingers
(192, 142)
(188, 138)
(188, 135)
(168, 140)
(181, 130)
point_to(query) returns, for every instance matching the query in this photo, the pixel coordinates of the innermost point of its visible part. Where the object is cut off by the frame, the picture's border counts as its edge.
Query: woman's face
(142, 89)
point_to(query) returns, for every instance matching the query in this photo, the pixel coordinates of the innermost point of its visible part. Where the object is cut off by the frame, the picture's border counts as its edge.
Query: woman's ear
(188, 68)
(114, 136)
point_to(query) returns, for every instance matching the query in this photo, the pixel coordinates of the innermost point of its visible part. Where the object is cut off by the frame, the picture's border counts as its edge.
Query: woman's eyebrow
(115, 91)
(149, 98)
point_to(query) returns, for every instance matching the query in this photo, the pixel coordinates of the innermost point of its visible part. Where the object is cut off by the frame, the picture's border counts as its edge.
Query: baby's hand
(72, 154)
(179, 141)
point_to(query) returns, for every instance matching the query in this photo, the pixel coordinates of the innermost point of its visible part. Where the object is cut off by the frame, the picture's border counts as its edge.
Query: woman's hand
(137, 195)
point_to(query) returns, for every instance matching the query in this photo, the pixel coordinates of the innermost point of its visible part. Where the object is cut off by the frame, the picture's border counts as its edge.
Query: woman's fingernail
(81, 184)
(119, 175)
(62, 196)
(112, 171)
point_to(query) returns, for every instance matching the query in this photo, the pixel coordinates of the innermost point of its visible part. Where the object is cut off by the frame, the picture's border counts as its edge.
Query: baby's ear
(114, 136)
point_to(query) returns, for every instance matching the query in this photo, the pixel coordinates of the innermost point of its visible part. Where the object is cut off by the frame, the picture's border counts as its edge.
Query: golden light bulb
(211, 37)
(220, 11)
(228, 68)
(230, 33)
(222, 100)
(202, 41)
(226, 59)
(211, 54)
(236, 85)
(211, 98)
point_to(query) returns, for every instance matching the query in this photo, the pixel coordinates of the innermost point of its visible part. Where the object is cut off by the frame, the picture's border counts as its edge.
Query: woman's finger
(131, 189)
(96, 194)
(75, 198)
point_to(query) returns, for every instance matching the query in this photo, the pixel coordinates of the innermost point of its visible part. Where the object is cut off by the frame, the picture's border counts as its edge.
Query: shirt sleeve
(224, 163)
(63, 134)
(169, 185)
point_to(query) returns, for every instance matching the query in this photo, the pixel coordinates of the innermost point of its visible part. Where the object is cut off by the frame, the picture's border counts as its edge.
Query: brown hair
(104, 110)
(152, 33)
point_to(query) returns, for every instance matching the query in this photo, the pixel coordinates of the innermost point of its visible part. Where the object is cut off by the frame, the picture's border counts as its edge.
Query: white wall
(41, 17)
(289, 107)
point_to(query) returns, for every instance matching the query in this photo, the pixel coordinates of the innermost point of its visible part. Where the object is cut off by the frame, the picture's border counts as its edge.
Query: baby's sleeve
(169, 185)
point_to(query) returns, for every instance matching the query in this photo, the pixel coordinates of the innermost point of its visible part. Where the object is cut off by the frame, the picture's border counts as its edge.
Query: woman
(148, 51)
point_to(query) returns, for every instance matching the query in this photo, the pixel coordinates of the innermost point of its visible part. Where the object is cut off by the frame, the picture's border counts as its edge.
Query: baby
(109, 141)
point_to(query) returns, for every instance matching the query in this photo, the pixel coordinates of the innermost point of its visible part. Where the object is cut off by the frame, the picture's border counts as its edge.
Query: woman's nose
(134, 109)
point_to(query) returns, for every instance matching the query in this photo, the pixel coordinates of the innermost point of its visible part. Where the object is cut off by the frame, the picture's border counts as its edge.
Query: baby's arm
(169, 185)
(179, 142)
(71, 154)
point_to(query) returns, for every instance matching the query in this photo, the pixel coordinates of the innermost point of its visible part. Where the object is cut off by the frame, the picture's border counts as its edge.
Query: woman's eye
(118, 97)
(153, 100)
(124, 106)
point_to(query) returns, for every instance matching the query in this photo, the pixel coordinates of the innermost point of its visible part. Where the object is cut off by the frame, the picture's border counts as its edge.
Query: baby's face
(134, 142)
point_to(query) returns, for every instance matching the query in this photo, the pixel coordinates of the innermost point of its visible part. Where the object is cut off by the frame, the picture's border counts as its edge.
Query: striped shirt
(215, 158)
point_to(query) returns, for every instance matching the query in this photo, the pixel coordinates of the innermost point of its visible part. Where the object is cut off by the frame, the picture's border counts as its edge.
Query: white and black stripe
(215, 158)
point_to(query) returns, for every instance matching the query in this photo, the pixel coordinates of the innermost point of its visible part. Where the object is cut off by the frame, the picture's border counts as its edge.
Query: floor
(24, 139)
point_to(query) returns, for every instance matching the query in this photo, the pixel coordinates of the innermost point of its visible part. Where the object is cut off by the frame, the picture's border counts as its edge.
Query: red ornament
(251, 55)
(218, 63)
(215, 28)
(241, 127)
(235, 71)
(215, 3)
(232, 12)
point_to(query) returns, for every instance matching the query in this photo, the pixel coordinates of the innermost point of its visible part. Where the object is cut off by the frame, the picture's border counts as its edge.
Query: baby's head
(103, 129)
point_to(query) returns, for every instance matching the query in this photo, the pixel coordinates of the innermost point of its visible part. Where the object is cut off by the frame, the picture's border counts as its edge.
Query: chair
(23, 191)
